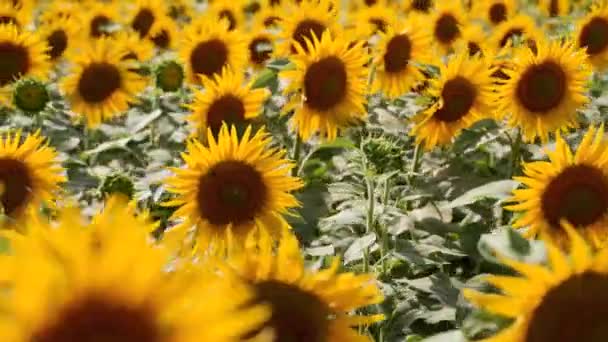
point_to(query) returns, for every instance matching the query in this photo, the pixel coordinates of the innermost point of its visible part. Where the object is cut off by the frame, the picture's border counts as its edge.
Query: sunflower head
(474, 40)
(30, 95)
(495, 11)
(230, 187)
(230, 11)
(447, 21)
(100, 19)
(145, 15)
(135, 48)
(11, 14)
(463, 96)
(208, 48)
(519, 29)
(328, 85)
(102, 81)
(592, 35)
(399, 50)
(570, 186)
(30, 175)
(419, 6)
(164, 34)
(61, 34)
(373, 19)
(87, 287)
(563, 301)
(544, 89)
(555, 8)
(306, 305)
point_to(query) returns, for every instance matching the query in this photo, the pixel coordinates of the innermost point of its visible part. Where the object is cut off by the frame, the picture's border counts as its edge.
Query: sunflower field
(303, 170)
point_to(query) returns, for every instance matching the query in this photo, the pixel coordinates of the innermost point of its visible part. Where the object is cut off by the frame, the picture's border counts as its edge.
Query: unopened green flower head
(117, 183)
(30, 95)
(169, 76)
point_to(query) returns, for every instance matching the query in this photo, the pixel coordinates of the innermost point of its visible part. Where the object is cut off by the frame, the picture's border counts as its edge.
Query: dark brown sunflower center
(271, 21)
(578, 194)
(98, 82)
(97, 319)
(58, 42)
(542, 87)
(231, 192)
(229, 109)
(510, 36)
(208, 57)
(370, 2)
(498, 13)
(305, 30)
(297, 315)
(594, 36)
(554, 8)
(422, 5)
(15, 183)
(98, 26)
(458, 96)
(230, 18)
(446, 29)
(161, 39)
(575, 310)
(325, 83)
(7, 19)
(398, 53)
(143, 21)
(260, 50)
(14, 62)
(379, 24)
(275, 2)
(473, 48)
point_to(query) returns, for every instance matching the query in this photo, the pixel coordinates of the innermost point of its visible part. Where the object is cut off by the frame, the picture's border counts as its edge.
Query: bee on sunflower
(261, 46)
(22, 54)
(225, 99)
(555, 8)
(570, 186)
(102, 81)
(61, 35)
(300, 22)
(495, 12)
(592, 35)
(30, 176)
(229, 188)
(398, 51)
(105, 281)
(519, 28)
(208, 47)
(563, 301)
(228, 10)
(447, 20)
(328, 85)
(306, 305)
(544, 89)
(464, 96)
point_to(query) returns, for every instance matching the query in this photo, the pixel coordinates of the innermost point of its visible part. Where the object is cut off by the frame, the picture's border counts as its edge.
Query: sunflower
(164, 34)
(99, 19)
(144, 16)
(328, 85)
(230, 187)
(61, 35)
(474, 40)
(101, 83)
(373, 19)
(495, 11)
(229, 10)
(545, 90)
(30, 175)
(569, 186)
(135, 48)
(555, 8)
(22, 54)
(592, 35)
(261, 45)
(269, 17)
(447, 20)
(105, 281)
(520, 27)
(464, 96)
(399, 49)
(60, 10)
(419, 6)
(300, 22)
(10, 14)
(225, 99)
(208, 47)
(306, 305)
(563, 301)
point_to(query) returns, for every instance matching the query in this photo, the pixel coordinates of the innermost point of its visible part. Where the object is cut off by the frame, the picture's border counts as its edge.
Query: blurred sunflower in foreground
(104, 281)
(102, 82)
(306, 305)
(30, 176)
(563, 301)
(545, 89)
(232, 186)
(327, 87)
(570, 186)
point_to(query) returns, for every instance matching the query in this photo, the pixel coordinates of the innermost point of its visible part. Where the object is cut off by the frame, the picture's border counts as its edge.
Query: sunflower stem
(297, 149)
(418, 152)
(515, 155)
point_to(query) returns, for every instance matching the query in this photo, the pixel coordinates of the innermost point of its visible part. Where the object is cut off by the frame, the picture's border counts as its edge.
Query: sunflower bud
(169, 76)
(30, 95)
(117, 183)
